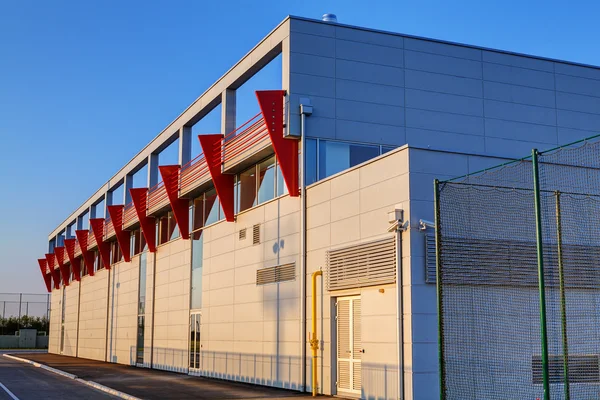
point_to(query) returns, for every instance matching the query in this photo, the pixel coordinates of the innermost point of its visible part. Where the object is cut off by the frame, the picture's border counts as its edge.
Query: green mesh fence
(498, 340)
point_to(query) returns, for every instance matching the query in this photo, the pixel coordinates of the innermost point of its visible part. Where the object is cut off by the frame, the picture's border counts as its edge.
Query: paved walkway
(26, 382)
(152, 384)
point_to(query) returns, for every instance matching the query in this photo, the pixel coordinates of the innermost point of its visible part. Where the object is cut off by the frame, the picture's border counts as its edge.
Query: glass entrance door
(195, 353)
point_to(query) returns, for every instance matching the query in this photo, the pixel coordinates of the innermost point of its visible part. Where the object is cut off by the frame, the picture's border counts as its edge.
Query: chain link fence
(518, 276)
(24, 310)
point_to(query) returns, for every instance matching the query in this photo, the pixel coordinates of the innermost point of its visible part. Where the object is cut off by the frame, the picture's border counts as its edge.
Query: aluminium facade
(207, 268)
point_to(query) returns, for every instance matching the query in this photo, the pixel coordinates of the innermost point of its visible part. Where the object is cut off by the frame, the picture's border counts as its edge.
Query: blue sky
(84, 85)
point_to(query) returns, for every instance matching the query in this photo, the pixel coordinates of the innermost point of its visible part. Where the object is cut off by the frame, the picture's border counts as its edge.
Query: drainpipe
(314, 341)
(305, 110)
(397, 218)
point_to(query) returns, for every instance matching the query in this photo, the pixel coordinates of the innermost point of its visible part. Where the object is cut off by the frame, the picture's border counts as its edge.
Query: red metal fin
(59, 252)
(88, 257)
(45, 274)
(139, 196)
(97, 225)
(180, 207)
(271, 106)
(116, 216)
(75, 262)
(211, 146)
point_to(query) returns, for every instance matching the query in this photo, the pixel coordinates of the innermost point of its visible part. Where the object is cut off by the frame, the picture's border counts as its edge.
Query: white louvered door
(349, 345)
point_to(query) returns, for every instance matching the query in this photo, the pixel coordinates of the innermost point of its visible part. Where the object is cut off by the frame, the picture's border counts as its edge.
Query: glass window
(246, 193)
(385, 149)
(310, 160)
(163, 229)
(211, 207)
(173, 228)
(266, 180)
(84, 270)
(281, 186)
(335, 157)
(140, 340)
(197, 211)
(196, 300)
(142, 287)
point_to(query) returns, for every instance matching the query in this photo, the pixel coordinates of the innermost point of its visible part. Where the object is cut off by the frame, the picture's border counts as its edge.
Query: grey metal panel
(519, 94)
(443, 83)
(428, 46)
(518, 76)
(447, 122)
(518, 61)
(510, 148)
(572, 84)
(371, 73)
(577, 70)
(577, 102)
(519, 112)
(577, 120)
(369, 92)
(355, 51)
(520, 131)
(312, 44)
(322, 106)
(312, 28)
(566, 135)
(449, 141)
(369, 133)
(369, 112)
(312, 85)
(361, 35)
(444, 102)
(312, 65)
(321, 127)
(442, 64)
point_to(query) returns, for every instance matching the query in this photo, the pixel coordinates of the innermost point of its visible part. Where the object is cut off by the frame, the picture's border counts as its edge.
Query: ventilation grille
(366, 264)
(242, 234)
(582, 368)
(279, 273)
(430, 262)
(256, 234)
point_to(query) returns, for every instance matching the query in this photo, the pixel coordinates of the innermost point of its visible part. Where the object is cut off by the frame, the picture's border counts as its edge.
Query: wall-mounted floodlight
(424, 224)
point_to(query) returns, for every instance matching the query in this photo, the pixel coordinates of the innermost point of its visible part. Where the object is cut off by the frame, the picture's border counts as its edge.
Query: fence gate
(349, 345)
(518, 278)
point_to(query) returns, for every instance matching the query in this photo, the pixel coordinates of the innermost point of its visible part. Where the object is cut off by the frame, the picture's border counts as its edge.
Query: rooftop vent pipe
(329, 18)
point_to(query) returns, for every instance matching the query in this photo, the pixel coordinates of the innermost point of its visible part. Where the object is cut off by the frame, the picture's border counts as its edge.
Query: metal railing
(251, 133)
(129, 215)
(193, 173)
(157, 197)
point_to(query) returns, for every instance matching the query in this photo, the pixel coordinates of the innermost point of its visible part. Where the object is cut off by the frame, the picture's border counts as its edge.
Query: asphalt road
(27, 382)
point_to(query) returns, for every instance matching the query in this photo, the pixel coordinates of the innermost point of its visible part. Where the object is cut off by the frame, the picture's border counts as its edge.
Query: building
(207, 269)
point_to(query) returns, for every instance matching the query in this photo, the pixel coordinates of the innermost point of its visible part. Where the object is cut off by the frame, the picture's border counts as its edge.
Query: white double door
(349, 345)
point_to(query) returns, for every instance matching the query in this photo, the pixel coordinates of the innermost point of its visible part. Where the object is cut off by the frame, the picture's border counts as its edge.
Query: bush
(8, 326)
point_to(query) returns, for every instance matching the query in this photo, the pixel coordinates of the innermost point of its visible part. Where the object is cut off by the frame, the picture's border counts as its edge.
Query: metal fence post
(20, 301)
(438, 280)
(540, 260)
(563, 302)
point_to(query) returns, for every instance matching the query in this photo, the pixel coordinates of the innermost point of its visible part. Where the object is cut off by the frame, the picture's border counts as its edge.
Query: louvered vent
(242, 234)
(256, 234)
(430, 263)
(279, 273)
(366, 264)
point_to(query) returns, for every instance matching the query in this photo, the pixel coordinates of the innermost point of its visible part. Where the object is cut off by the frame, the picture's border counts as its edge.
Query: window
(259, 184)
(138, 242)
(97, 261)
(141, 310)
(196, 296)
(335, 157)
(83, 267)
(173, 228)
(115, 252)
(212, 207)
(246, 189)
(281, 186)
(266, 180)
(310, 161)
